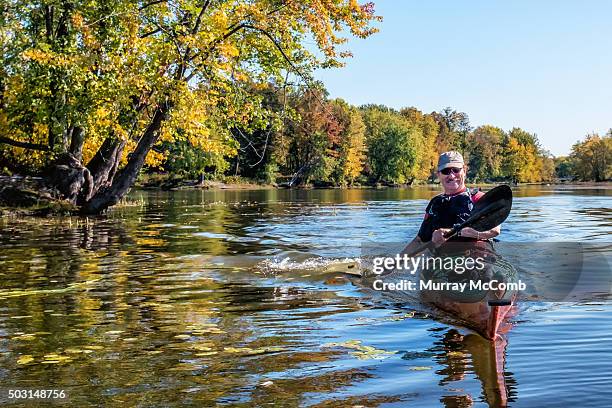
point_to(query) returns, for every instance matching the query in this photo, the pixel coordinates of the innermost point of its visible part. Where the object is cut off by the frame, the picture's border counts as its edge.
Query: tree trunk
(104, 163)
(76, 142)
(106, 197)
(70, 178)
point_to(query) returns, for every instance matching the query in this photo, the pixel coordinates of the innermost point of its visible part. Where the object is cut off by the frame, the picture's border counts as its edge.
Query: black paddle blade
(492, 209)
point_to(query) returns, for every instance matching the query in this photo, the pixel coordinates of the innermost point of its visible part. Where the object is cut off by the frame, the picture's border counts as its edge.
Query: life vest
(446, 211)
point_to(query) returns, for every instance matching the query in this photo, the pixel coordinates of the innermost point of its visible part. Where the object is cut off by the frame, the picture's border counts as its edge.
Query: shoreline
(20, 196)
(219, 185)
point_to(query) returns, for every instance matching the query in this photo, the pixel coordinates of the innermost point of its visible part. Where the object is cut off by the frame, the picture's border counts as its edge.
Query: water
(229, 298)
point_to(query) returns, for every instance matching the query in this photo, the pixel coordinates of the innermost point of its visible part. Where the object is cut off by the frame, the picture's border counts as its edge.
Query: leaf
(182, 336)
(25, 359)
(362, 352)
(207, 353)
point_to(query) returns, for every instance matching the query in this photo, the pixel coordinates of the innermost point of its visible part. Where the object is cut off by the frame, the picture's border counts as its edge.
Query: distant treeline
(299, 136)
(314, 140)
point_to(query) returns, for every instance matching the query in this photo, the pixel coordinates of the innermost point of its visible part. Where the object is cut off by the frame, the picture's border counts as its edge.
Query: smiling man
(452, 207)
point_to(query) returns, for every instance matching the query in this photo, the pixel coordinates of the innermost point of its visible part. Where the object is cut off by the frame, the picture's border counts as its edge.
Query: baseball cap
(450, 159)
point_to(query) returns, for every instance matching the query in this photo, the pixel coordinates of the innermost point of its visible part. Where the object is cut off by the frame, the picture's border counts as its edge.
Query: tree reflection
(115, 310)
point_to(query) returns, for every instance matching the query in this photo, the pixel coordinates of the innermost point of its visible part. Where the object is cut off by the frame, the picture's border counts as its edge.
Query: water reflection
(166, 301)
(460, 355)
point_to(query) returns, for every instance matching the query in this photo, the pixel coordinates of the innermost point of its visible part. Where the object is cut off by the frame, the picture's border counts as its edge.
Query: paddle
(490, 211)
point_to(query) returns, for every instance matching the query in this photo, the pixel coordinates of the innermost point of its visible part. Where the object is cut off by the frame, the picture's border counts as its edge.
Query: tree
(352, 149)
(523, 159)
(484, 152)
(592, 158)
(453, 130)
(391, 142)
(101, 82)
(262, 142)
(313, 138)
(427, 154)
(563, 167)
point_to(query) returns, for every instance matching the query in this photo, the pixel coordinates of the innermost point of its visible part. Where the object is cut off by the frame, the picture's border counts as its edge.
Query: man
(450, 208)
(444, 211)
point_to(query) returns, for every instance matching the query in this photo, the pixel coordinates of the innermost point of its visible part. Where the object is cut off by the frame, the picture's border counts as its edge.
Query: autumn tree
(454, 128)
(89, 87)
(428, 130)
(313, 137)
(592, 158)
(352, 148)
(484, 152)
(523, 159)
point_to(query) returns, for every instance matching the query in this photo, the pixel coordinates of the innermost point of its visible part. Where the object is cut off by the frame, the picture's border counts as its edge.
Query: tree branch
(145, 35)
(196, 26)
(151, 3)
(25, 145)
(280, 49)
(225, 36)
(212, 45)
(232, 29)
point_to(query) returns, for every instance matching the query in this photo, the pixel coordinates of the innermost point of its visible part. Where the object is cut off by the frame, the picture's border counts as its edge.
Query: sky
(544, 66)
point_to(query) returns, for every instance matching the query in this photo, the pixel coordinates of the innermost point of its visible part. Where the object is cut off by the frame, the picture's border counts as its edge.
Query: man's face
(452, 179)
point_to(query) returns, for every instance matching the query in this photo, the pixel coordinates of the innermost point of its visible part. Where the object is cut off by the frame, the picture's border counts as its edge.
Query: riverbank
(24, 196)
(172, 182)
(169, 182)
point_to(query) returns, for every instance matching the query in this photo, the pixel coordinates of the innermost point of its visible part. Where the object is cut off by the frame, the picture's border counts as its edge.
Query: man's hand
(472, 233)
(468, 232)
(438, 236)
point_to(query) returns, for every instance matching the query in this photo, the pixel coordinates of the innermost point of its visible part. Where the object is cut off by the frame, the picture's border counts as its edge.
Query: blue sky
(544, 66)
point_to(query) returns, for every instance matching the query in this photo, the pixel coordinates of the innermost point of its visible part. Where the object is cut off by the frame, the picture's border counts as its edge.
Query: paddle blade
(492, 209)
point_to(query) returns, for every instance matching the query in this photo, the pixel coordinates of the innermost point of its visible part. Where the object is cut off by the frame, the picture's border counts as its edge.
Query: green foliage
(484, 152)
(591, 159)
(563, 167)
(191, 161)
(425, 143)
(454, 128)
(108, 67)
(391, 141)
(270, 172)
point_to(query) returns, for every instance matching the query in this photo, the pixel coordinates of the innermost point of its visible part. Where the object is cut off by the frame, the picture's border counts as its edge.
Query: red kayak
(481, 310)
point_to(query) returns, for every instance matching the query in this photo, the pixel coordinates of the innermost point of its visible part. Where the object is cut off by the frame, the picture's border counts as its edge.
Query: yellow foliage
(130, 145)
(90, 147)
(155, 159)
(109, 81)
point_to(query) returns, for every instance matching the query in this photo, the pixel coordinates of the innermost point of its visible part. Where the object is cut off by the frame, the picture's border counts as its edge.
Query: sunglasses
(447, 171)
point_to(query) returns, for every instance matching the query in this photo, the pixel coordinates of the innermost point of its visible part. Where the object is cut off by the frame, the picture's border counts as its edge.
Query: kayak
(484, 302)
(482, 310)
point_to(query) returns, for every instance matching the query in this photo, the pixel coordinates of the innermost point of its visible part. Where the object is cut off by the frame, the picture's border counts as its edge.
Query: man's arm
(412, 246)
(472, 233)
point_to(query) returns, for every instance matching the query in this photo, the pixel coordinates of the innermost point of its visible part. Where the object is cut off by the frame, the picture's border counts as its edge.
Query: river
(229, 298)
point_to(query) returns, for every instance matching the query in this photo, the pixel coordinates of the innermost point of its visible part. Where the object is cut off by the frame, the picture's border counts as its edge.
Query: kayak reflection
(462, 354)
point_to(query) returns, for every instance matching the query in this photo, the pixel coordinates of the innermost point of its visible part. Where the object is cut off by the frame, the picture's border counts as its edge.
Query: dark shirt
(445, 211)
